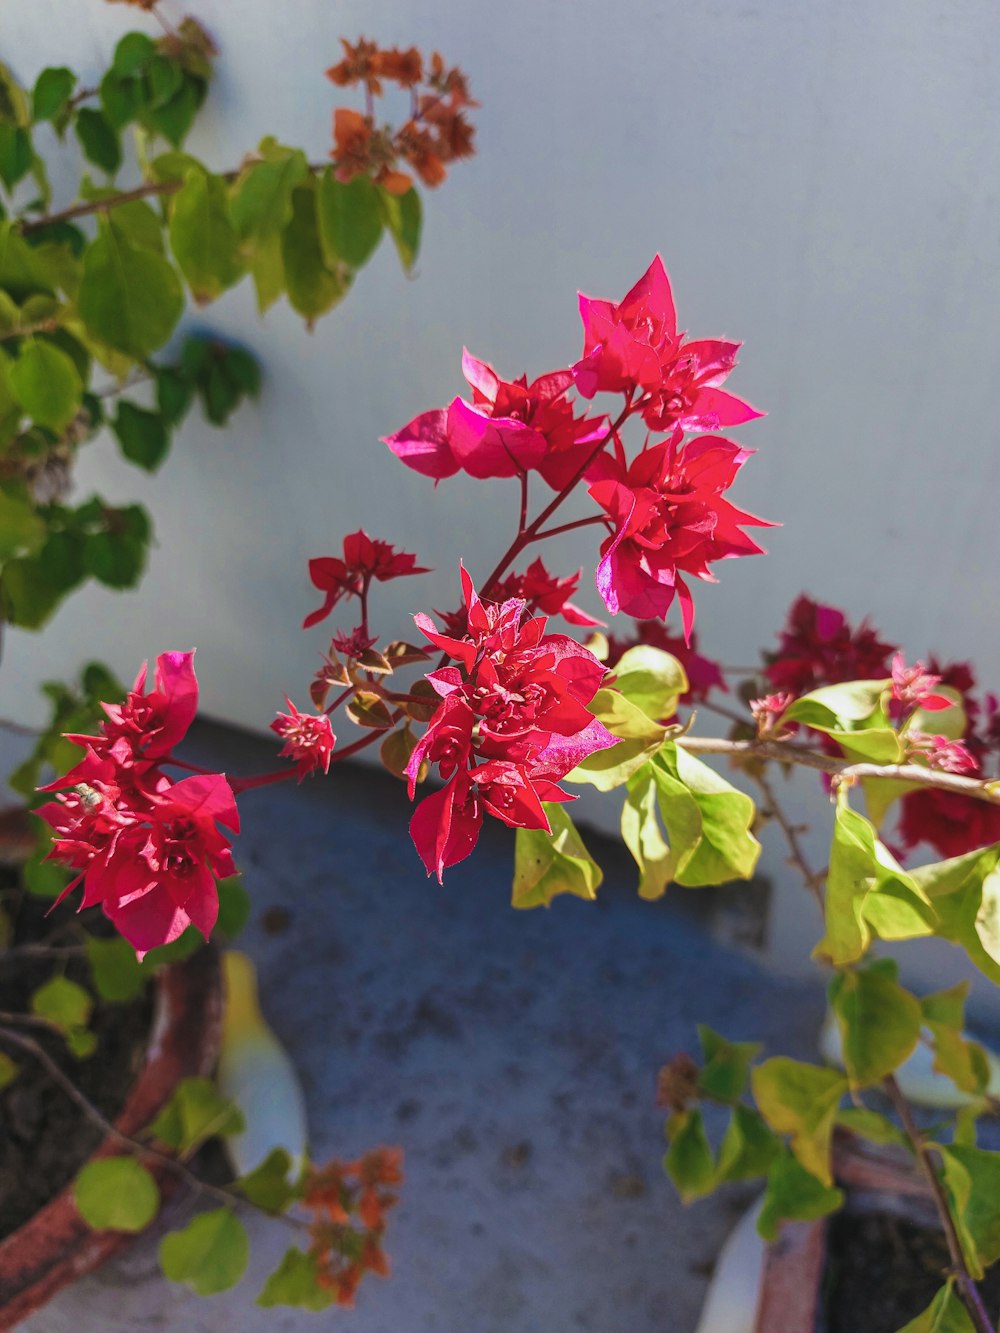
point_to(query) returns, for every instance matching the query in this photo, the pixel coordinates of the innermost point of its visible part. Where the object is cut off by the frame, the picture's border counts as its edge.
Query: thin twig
(136, 1148)
(967, 1288)
(798, 858)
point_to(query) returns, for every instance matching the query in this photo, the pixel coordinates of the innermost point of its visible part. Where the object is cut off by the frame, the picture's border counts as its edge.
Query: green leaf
(350, 219)
(210, 1254)
(47, 384)
(972, 1178)
(546, 865)
(964, 1062)
(688, 1161)
(643, 835)
(13, 101)
(651, 679)
(724, 847)
(296, 1282)
(234, 907)
(8, 1070)
(16, 153)
(872, 1126)
(98, 139)
(945, 1314)
(142, 435)
(801, 1100)
(115, 970)
(132, 54)
(42, 878)
(116, 1194)
(965, 893)
(204, 241)
(268, 1186)
(22, 531)
(262, 197)
(402, 214)
(173, 394)
(313, 289)
(130, 298)
(794, 1194)
(53, 89)
(879, 1022)
(748, 1147)
(63, 1003)
(867, 892)
(853, 715)
(117, 556)
(174, 118)
(195, 1112)
(726, 1071)
(640, 738)
(267, 268)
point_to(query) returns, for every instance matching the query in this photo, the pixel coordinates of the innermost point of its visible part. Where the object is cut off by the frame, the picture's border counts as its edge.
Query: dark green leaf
(174, 118)
(16, 154)
(195, 1112)
(726, 1071)
(748, 1147)
(142, 435)
(262, 197)
(116, 1194)
(22, 531)
(98, 139)
(203, 238)
(234, 907)
(267, 1186)
(8, 1070)
(53, 89)
(132, 54)
(173, 394)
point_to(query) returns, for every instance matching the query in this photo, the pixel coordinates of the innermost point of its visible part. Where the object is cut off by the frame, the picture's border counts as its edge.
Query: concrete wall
(822, 181)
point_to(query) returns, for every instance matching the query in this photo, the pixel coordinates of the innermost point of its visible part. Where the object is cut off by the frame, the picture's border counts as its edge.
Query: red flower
(635, 345)
(540, 591)
(512, 722)
(148, 849)
(818, 647)
(913, 688)
(669, 519)
(309, 739)
(364, 559)
(767, 712)
(952, 824)
(510, 427)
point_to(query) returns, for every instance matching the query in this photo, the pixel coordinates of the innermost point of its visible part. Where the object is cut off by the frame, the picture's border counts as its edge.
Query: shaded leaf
(549, 864)
(296, 1282)
(879, 1022)
(195, 1112)
(794, 1194)
(142, 435)
(801, 1100)
(688, 1161)
(210, 1254)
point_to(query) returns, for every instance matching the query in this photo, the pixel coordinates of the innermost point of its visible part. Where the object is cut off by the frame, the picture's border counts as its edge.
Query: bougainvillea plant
(93, 285)
(486, 712)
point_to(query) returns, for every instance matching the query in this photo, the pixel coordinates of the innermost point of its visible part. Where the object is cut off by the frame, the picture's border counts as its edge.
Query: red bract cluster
(341, 1195)
(818, 647)
(513, 720)
(148, 849)
(436, 132)
(364, 559)
(665, 511)
(669, 517)
(538, 589)
(309, 739)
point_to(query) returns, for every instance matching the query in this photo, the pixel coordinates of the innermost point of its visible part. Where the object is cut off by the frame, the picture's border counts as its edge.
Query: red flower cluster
(664, 512)
(338, 1193)
(513, 720)
(147, 848)
(364, 559)
(510, 426)
(669, 516)
(437, 131)
(538, 589)
(818, 647)
(635, 345)
(308, 737)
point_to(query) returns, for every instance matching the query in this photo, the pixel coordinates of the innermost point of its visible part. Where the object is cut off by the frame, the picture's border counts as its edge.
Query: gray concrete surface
(513, 1055)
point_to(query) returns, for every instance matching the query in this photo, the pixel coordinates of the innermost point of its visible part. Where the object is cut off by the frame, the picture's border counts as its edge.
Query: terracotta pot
(795, 1263)
(55, 1246)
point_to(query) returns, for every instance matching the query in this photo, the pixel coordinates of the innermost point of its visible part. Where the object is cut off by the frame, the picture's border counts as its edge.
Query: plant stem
(568, 527)
(137, 1149)
(813, 879)
(967, 1288)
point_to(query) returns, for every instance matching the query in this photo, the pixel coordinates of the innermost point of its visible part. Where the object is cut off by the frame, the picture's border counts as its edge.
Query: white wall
(822, 181)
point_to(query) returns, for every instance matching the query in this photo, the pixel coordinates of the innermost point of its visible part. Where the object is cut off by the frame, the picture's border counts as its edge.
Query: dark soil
(44, 1137)
(883, 1271)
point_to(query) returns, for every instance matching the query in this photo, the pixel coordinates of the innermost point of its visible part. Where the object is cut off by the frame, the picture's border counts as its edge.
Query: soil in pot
(44, 1136)
(882, 1271)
